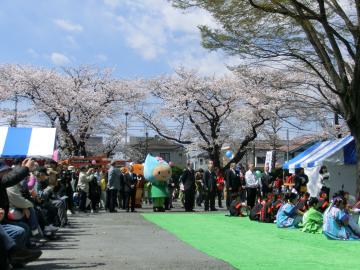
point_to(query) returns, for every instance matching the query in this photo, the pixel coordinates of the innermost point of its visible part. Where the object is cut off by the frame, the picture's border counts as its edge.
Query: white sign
(268, 159)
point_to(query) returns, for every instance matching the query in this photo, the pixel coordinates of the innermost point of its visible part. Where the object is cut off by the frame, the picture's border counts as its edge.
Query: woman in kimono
(288, 215)
(336, 222)
(313, 219)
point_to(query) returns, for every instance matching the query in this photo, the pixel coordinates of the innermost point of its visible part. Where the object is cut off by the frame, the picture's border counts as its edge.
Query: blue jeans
(11, 235)
(33, 220)
(24, 227)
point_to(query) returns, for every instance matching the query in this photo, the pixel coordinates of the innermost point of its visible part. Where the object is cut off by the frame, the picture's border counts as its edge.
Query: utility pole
(126, 132)
(126, 127)
(254, 154)
(288, 144)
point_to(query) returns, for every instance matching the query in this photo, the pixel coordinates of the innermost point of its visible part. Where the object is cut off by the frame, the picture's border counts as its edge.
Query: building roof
(155, 143)
(259, 145)
(299, 142)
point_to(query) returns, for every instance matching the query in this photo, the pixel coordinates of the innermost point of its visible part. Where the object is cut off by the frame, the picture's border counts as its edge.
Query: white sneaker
(51, 228)
(92, 211)
(68, 212)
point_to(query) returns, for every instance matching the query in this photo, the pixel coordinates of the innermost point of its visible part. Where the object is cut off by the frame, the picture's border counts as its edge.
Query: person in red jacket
(220, 184)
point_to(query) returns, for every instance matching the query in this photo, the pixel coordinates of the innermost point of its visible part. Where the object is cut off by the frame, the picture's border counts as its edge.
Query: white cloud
(151, 26)
(59, 59)
(112, 3)
(101, 57)
(68, 26)
(33, 53)
(205, 62)
(71, 42)
(148, 42)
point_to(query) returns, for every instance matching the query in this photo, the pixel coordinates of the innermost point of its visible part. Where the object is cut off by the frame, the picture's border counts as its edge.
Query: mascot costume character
(157, 172)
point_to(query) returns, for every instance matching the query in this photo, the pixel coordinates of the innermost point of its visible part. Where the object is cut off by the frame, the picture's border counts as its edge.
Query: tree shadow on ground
(59, 265)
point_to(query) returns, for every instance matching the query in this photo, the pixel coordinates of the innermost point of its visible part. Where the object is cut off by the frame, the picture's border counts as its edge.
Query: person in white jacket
(83, 186)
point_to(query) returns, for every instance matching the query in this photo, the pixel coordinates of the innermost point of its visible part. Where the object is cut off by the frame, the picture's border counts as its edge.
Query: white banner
(268, 159)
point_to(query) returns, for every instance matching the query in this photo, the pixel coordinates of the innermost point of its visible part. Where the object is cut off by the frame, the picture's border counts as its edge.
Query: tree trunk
(214, 154)
(82, 149)
(357, 145)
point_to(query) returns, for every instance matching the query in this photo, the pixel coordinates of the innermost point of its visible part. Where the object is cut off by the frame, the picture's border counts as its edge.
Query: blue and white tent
(338, 155)
(27, 142)
(340, 151)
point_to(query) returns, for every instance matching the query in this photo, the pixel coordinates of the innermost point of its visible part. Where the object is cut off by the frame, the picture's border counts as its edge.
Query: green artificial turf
(251, 245)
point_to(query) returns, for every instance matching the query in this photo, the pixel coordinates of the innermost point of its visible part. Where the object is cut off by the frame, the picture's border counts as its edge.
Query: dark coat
(232, 180)
(11, 179)
(188, 180)
(266, 181)
(209, 181)
(122, 182)
(129, 180)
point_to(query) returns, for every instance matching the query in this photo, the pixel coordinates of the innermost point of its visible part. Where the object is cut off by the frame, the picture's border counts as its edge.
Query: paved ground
(120, 241)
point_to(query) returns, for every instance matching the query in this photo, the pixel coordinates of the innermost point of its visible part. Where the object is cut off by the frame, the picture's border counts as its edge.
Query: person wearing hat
(12, 238)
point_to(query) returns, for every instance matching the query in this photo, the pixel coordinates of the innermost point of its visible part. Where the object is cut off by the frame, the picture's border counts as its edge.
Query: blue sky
(139, 38)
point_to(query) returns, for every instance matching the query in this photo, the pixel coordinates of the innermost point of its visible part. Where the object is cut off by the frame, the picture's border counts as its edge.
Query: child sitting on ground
(312, 219)
(289, 216)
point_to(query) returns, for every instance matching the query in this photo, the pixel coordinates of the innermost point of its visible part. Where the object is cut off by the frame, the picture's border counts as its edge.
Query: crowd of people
(35, 201)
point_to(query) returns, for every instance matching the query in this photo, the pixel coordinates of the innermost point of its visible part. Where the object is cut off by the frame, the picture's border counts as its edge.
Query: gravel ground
(120, 241)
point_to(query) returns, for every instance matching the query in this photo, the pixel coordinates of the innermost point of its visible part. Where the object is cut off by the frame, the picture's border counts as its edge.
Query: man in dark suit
(266, 182)
(232, 184)
(113, 185)
(130, 180)
(209, 181)
(188, 180)
(121, 193)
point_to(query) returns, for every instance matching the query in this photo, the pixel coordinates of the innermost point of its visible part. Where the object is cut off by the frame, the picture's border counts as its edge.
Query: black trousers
(69, 200)
(251, 196)
(219, 194)
(112, 199)
(209, 200)
(122, 199)
(83, 196)
(130, 196)
(189, 199)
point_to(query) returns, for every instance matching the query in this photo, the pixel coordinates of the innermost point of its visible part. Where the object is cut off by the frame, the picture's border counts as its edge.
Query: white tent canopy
(339, 157)
(27, 142)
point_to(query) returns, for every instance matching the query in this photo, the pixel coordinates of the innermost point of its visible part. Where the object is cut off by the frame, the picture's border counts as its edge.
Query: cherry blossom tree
(318, 37)
(207, 112)
(75, 100)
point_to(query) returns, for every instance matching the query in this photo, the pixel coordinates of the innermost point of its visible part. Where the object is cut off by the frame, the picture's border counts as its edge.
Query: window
(165, 156)
(201, 161)
(260, 160)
